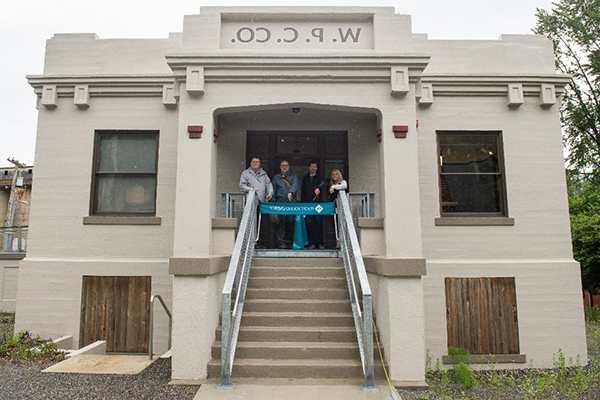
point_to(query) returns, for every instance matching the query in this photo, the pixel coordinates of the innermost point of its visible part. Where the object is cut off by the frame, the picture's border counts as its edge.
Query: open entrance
(329, 149)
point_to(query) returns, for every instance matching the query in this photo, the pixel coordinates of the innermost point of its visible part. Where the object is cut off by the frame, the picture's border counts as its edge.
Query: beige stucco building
(459, 141)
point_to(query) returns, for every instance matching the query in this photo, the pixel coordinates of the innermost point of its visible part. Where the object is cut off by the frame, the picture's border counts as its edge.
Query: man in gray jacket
(255, 178)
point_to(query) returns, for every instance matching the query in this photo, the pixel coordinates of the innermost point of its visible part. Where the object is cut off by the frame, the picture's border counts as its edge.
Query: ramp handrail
(151, 339)
(237, 280)
(358, 287)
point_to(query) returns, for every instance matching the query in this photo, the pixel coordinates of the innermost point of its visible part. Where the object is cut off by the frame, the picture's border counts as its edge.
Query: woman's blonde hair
(339, 174)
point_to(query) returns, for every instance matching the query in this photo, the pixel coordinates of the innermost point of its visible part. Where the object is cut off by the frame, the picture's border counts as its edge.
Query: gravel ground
(27, 382)
(23, 379)
(520, 384)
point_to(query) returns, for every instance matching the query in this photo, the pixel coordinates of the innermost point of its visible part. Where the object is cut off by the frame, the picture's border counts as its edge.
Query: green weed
(592, 314)
(462, 374)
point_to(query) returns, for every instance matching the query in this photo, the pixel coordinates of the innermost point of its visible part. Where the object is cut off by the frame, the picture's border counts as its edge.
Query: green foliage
(585, 232)
(592, 314)
(574, 28)
(24, 344)
(462, 374)
(567, 378)
(459, 354)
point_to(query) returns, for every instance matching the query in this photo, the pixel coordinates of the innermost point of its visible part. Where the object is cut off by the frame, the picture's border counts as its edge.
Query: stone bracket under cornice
(81, 88)
(514, 87)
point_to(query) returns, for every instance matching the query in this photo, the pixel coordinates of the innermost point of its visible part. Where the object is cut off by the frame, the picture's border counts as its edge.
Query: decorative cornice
(492, 84)
(103, 85)
(306, 67)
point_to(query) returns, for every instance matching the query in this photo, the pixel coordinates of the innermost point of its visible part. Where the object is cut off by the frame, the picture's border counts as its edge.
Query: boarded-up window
(481, 314)
(116, 309)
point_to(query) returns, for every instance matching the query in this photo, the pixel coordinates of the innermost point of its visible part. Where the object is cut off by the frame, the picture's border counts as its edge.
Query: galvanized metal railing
(358, 287)
(362, 204)
(162, 302)
(237, 281)
(13, 239)
(232, 204)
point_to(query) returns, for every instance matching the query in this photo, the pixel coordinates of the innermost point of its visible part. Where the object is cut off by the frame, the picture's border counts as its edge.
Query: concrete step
(291, 333)
(296, 272)
(298, 262)
(297, 283)
(296, 319)
(278, 254)
(295, 293)
(292, 350)
(281, 305)
(299, 369)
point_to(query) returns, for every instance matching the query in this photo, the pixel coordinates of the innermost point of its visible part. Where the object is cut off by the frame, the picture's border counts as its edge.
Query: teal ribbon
(300, 235)
(297, 208)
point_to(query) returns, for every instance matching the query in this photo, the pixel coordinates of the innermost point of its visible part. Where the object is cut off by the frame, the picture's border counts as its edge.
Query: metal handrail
(151, 347)
(367, 204)
(232, 204)
(358, 286)
(237, 277)
(7, 239)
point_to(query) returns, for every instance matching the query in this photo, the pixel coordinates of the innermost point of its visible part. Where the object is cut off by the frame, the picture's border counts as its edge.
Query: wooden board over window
(116, 309)
(481, 315)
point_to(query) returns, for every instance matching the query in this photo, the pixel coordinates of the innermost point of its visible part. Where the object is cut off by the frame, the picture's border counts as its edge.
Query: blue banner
(297, 208)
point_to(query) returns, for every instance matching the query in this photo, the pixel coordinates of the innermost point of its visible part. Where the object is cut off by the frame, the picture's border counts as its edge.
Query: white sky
(26, 25)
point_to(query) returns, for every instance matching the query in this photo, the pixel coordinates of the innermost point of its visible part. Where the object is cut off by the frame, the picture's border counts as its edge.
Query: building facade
(15, 198)
(459, 141)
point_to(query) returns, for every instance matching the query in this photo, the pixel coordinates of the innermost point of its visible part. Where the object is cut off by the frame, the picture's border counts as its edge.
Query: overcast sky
(26, 25)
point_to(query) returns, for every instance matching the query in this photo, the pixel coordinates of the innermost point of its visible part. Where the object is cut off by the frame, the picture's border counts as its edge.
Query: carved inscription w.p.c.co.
(280, 35)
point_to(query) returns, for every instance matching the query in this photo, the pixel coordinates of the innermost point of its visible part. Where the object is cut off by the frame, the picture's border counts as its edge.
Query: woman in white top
(337, 183)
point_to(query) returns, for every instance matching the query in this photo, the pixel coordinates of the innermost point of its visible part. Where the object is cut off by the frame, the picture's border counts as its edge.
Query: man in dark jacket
(312, 186)
(285, 186)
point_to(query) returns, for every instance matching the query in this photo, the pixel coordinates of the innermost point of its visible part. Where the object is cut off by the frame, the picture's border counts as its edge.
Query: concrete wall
(536, 250)
(9, 275)
(399, 311)
(61, 249)
(550, 315)
(85, 53)
(534, 173)
(197, 304)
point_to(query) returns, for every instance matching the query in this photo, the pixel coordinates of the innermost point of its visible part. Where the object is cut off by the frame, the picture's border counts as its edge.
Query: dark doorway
(329, 149)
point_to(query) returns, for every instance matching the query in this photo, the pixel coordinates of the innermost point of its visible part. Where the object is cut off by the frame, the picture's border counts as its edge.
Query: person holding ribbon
(312, 186)
(256, 179)
(285, 186)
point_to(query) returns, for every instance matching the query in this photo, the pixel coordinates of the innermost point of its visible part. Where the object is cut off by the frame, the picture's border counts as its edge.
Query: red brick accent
(195, 131)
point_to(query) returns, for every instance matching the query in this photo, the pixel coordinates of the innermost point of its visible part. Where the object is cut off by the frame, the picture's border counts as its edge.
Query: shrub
(462, 374)
(459, 354)
(592, 314)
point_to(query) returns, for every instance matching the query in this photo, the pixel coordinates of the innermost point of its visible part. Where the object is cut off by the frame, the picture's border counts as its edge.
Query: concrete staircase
(297, 323)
